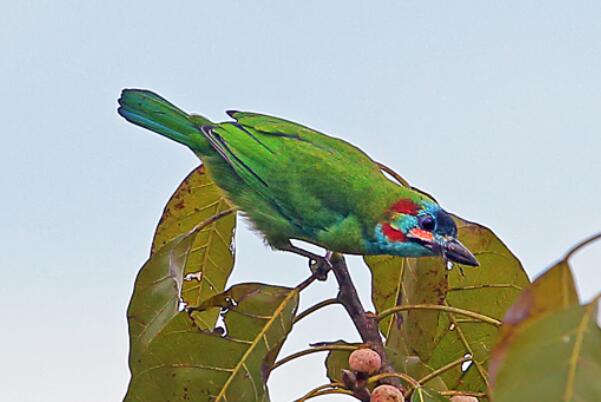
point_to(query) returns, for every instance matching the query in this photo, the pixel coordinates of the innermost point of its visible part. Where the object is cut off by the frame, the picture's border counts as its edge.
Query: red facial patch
(405, 206)
(391, 233)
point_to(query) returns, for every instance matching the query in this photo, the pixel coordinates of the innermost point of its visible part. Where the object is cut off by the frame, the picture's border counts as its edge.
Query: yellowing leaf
(211, 259)
(171, 359)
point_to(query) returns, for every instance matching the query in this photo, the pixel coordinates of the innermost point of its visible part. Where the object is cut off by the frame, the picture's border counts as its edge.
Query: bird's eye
(426, 222)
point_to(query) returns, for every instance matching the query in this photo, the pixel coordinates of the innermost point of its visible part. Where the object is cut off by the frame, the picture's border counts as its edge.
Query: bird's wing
(313, 179)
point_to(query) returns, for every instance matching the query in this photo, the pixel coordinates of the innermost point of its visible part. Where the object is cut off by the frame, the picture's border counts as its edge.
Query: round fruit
(464, 398)
(365, 361)
(386, 393)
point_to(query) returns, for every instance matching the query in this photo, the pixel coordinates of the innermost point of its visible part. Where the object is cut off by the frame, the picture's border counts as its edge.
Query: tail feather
(149, 110)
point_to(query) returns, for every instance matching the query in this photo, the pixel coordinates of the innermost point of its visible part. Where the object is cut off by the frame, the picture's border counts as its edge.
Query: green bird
(293, 182)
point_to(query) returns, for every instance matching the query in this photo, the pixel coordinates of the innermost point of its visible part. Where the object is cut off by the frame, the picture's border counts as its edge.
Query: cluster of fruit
(366, 362)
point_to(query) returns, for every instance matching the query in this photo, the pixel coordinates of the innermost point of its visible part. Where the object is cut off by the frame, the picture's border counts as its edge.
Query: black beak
(457, 252)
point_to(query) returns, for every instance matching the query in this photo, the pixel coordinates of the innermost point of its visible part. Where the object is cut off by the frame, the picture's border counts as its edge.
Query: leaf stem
(327, 392)
(316, 390)
(394, 174)
(304, 284)
(444, 369)
(315, 349)
(580, 245)
(464, 393)
(414, 383)
(315, 307)
(486, 286)
(469, 350)
(448, 309)
(212, 219)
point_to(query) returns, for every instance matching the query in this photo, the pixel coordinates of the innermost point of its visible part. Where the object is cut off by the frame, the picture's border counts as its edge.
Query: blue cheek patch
(404, 249)
(405, 223)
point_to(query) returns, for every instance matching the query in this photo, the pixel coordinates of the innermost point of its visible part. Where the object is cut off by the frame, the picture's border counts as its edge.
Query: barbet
(293, 182)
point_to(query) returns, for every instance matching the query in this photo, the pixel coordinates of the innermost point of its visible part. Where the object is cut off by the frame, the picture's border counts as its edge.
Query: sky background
(493, 107)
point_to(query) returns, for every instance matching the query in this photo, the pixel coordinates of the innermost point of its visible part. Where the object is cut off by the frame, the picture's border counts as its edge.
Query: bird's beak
(455, 251)
(450, 248)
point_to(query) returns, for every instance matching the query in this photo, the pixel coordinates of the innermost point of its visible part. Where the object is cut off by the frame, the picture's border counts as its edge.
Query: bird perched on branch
(293, 182)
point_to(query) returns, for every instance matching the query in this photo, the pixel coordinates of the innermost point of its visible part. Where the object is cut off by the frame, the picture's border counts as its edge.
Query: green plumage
(291, 181)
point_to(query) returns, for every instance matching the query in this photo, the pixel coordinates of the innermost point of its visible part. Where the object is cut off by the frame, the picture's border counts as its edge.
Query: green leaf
(553, 291)
(553, 358)
(402, 281)
(489, 289)
(337, 360)
(423, 394)
(211, 259)
(171, 359)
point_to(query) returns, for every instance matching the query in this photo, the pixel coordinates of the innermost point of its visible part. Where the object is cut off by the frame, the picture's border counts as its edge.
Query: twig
(464, 393)
(365, 323)
(393, 174)
(444, 369)
(412, 381)
(301, 286)
(449, 309)
(212, 219)
(580, 245)
(311, 393)
(400, 179)
(315, 307)
(486, 286)
(328, 392)
(316, 349)
(481, 370)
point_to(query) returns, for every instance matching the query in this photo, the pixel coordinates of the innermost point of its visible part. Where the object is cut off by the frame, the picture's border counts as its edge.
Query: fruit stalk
(366, 324)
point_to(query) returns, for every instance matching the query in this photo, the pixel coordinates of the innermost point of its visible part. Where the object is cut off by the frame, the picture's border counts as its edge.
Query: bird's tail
(149, 110)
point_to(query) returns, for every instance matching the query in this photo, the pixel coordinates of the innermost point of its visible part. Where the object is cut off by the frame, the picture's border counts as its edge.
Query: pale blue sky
(491, 106)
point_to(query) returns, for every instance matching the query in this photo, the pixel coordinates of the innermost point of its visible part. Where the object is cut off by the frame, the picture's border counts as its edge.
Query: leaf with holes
(211, 259)
(554, 358)
(172, 359)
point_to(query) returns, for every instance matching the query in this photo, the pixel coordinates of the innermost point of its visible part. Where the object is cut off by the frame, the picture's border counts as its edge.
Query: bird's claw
(320, 267)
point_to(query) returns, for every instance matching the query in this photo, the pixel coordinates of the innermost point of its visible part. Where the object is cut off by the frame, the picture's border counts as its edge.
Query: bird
(295, 183)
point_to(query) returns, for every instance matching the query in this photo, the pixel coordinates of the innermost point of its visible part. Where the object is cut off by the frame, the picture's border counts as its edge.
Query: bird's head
(420, 227)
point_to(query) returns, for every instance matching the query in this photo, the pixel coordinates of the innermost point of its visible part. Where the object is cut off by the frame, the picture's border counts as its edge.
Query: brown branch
(366, 324)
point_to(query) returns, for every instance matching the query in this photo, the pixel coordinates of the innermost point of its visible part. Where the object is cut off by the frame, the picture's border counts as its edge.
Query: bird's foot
(320, 266)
